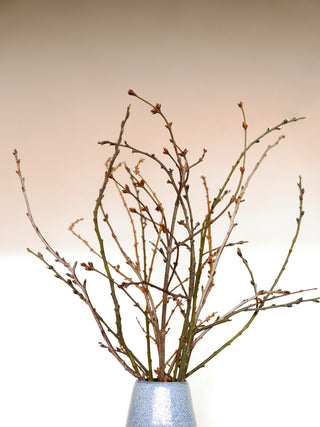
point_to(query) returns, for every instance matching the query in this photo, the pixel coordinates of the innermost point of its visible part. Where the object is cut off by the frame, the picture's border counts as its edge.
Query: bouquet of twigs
(167, 240)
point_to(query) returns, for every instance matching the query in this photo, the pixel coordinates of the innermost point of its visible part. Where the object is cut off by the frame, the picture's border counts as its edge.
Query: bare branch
(175, 257)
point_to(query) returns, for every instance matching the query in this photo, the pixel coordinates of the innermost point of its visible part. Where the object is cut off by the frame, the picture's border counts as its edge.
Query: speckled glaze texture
(161, 404)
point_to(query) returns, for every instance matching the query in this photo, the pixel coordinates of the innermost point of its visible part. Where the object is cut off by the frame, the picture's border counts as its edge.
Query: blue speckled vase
(161, 404)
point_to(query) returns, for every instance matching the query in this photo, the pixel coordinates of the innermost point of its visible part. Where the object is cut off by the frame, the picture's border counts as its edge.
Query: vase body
(161, 404)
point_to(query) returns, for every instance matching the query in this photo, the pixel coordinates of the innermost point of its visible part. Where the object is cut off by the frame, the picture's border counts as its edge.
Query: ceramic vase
(161, 404)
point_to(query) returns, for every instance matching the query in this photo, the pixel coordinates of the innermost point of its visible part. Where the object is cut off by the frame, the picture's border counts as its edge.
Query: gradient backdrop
(66, 67)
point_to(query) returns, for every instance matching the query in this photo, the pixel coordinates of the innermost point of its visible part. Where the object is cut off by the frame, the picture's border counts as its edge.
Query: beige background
(66, 67)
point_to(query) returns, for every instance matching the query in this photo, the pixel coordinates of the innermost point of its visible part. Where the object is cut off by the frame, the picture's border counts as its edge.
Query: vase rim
(161, 382)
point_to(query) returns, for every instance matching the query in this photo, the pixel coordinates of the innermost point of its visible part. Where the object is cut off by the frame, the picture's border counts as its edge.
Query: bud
(156, 109)
(131, 92)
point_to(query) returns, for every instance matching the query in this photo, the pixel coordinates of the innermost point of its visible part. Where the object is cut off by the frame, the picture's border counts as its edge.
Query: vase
(161, 404)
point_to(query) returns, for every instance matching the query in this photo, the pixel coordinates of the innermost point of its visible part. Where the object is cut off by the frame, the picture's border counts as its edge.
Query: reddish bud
(244, 125)
(126, 189)
(242, 169)
(163, 228)
(240, 105)
(156, 109)
(183, 153)
(131, 92)
(139, 184)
